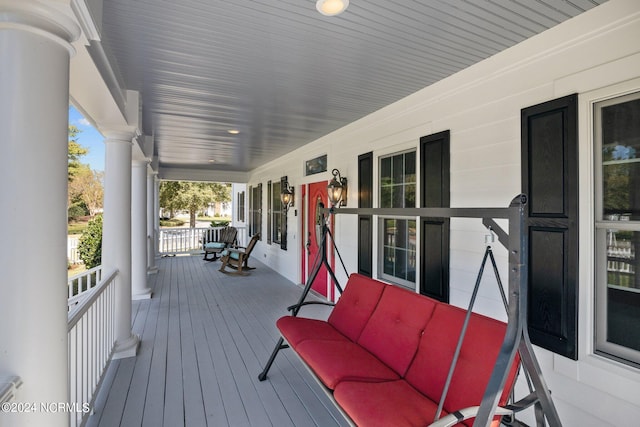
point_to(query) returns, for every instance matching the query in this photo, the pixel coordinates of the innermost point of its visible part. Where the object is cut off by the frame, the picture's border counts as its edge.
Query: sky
(89, 138)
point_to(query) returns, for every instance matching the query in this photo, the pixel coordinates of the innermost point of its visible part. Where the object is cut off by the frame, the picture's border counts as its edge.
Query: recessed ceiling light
(331, 7)
(211, 161)
(233, 131)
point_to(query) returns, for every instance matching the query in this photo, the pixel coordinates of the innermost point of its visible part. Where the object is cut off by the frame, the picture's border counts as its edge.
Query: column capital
(119, 135)
(40, 18)
(143, 162)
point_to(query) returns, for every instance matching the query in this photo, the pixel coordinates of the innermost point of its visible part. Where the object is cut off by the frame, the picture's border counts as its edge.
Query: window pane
(410, 196)
(385, 196)
(410, 167)
(623, 326)
(623, 288)
(622, 247)
(397, 198)
(401, 264)
(621, 161)
(388, 261)
(398, 169)
(389, 232)
(385, 171)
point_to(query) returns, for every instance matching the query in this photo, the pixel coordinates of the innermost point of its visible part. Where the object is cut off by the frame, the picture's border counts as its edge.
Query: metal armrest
(330, 304)
(464, 414)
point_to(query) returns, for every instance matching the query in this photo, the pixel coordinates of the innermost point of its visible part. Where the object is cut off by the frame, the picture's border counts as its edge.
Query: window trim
(381, 219)
(387, 277)
(600, 226)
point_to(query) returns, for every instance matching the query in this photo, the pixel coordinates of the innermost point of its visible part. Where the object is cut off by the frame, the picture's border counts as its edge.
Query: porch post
(34, 104)
(139, 287)
(152, 213)
(116, 233)
(156, 218)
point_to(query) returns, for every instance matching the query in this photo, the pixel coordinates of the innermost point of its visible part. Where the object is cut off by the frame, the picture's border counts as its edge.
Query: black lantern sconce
(287, 195)
(337, 189)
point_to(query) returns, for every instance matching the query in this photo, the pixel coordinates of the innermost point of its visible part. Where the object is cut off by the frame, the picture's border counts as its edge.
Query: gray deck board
(205, 337)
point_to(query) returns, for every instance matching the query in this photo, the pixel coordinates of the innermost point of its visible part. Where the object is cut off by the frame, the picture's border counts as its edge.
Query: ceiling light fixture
(331, 7)
(233, 131)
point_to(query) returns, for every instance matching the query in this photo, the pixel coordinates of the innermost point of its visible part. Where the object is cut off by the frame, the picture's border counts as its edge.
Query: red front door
(316, 197)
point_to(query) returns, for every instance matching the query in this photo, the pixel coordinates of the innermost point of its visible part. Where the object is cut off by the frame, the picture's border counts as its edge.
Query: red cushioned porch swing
(515, 348)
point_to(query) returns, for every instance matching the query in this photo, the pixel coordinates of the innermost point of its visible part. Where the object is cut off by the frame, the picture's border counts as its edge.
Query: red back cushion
(430, 367)
(359, 299)
(394, 330)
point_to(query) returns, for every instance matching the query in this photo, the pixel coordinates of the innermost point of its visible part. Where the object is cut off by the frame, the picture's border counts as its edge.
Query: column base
(144, 294)
(127, 348)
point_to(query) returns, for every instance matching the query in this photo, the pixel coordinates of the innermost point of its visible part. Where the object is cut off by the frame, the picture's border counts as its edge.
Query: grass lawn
(76, 269)
(77, 227)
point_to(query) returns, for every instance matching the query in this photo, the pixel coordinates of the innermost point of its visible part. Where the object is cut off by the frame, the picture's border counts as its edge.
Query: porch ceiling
(284, 75)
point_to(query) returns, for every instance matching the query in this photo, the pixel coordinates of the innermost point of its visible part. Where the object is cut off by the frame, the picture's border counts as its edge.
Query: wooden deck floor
(205, 337)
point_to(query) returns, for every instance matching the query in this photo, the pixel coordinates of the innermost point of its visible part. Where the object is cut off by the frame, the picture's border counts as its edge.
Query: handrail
(81, 309)
(84, 281)
(8, 388)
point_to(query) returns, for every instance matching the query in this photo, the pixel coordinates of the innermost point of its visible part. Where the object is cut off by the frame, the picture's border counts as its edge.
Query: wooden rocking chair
(226, 238)
(238, 256)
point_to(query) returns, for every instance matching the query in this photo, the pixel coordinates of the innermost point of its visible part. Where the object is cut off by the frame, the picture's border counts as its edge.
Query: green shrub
(90, 244)
(76, 210)
(174, 222)
(219, 223)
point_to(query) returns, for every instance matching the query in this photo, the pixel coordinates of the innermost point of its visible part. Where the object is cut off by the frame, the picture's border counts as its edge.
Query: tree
(90, 244)
(192, 196)
(74, 152)
(86, 186)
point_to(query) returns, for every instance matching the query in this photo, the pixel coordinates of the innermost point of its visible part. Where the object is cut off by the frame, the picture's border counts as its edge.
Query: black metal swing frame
(516, 338)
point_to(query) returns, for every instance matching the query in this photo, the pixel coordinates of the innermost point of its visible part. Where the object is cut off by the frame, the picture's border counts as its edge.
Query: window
(617, 227)
(398, 190)
(241, 206)
(255, 210)
(276, 212)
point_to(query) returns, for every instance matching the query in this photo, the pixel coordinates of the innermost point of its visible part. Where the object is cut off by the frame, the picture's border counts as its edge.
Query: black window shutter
(435, 193)
(550, 180)
(365, 200)
(283, 226)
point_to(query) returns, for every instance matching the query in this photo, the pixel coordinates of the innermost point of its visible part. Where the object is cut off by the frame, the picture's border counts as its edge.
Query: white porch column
(116, 233)
(139, 287)
(35, 51)
(152, 213)
(156, 218)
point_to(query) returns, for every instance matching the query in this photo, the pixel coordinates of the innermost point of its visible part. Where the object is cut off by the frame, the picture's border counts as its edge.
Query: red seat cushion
(391, 403)
(393, 332)
(298, 329)
(430, 367)
(336, 361)
(357, 302)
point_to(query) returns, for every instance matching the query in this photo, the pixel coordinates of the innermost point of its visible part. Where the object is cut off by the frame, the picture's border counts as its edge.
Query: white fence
(91, 335)
(73, 257)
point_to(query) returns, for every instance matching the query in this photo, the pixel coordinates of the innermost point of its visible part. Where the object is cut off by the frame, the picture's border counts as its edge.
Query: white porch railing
(173, 241)
(78, 285)
(91, 336)
(8, 387)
